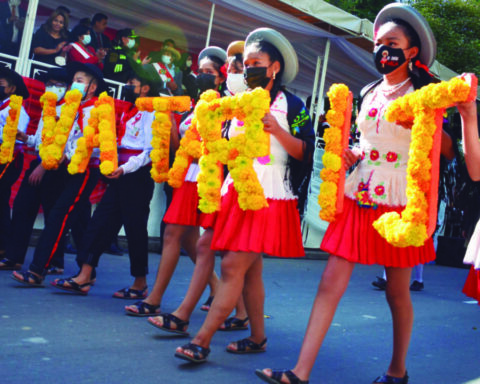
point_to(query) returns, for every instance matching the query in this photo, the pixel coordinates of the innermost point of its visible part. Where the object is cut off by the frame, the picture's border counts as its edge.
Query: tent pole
(22, 63)
(210, 24)
(315, 86)
(322, 81)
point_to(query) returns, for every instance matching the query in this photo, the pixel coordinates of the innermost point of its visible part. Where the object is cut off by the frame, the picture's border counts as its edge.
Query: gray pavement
(48, 336)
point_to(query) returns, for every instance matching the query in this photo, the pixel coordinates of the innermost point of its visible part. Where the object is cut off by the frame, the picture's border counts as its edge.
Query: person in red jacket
(80, 50)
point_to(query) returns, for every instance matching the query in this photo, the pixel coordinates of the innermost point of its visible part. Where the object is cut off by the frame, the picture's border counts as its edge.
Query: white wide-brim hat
(280, 42)
(212, 51)
(428, 50)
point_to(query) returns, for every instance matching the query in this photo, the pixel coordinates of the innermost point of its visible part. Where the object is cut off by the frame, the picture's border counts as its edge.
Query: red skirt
(353, 237)
(472, 284)
(274, 230)
(183, 209)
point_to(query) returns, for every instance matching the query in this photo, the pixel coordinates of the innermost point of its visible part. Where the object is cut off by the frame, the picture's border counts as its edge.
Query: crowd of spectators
(57, 42)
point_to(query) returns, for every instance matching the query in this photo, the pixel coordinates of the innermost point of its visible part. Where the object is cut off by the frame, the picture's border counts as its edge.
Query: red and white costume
(472, 257)
(274, 230)
(376, 186)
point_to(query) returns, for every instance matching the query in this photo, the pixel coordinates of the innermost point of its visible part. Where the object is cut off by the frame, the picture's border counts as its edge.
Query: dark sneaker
(416, 286)
(380, 283)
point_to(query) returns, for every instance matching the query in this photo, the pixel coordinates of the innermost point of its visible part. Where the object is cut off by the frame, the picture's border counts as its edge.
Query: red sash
(5, 105)
(126, 117)
(164, 71)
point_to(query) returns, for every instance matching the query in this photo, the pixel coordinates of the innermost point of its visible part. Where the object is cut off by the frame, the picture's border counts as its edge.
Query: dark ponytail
(418, 74)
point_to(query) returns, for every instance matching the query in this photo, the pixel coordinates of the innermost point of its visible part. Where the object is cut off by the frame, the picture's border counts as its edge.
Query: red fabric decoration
(418, 64)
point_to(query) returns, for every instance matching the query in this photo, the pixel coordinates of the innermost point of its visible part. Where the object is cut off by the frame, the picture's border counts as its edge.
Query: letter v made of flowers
(238, 153)
(426, 106)
(161, 130)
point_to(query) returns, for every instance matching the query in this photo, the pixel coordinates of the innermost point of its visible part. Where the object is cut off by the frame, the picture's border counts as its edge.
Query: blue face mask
(80, 87)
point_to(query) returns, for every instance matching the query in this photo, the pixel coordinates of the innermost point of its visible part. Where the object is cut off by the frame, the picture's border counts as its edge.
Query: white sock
(418, 273)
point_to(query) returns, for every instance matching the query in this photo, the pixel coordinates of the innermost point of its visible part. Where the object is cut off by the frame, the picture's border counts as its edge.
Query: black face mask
(387, 59)
(205, 81)
(256, 77)
(3, 95)
(129, 93)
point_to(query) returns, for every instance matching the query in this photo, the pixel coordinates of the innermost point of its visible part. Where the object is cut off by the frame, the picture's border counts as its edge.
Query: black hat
(92, 69)
(16, 79)
(59, 74)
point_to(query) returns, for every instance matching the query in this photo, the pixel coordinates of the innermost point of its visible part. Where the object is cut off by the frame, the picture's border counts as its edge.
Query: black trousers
(125, 202)
(25, 209)
(77, 188)
(10, 176)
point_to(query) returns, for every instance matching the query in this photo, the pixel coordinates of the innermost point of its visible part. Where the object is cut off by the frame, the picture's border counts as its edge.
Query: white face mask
(188, 63)
(236, 83)
(87, 39)
(59, 91)
(166, 59)
(131, 43)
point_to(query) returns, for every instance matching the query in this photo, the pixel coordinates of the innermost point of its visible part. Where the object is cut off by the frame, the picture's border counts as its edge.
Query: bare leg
(201, 275)
(332, 286)
(235, 266)
(254, 296)
(398, 298)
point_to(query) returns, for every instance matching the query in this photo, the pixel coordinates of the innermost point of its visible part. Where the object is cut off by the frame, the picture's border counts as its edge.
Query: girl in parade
(471, 150)
(183, 217)
(11, 83)
(402, 36)
(38, 187)
(177, 321)
(76, 188)
(270, 61)
(126, 201)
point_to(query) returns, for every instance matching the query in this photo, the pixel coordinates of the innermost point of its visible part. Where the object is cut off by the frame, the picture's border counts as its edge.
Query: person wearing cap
(404, 48)
(11, 83)
(162, 67)
(51, 37)
(183, 217)
(270, 62)
(126, 202)
(80, 50)
(205, 261)
(73, 199)
(122, 59)
(38, 187)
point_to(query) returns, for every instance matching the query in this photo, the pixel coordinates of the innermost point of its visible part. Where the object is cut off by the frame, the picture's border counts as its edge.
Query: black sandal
(26, 277)
(391, 380)
(72, 286)
(206, 306)
(276, 377)
(9, 265)
(200, 354)
(168, 319)
(144, 309)
(129, 293)
(234, 324)
(246, 345)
